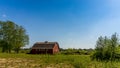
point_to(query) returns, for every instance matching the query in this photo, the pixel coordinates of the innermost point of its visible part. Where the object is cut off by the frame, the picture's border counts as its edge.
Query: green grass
(52, 61)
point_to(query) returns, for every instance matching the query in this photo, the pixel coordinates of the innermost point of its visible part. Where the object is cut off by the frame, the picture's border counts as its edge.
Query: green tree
(106, 48)
(7, 35)
(21, 38)
(114, 45)
(12, 36)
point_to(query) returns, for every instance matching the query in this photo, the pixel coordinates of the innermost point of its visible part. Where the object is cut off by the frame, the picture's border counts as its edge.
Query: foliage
(12, 36)
(106, 48)
(25, 50)
(71, 51)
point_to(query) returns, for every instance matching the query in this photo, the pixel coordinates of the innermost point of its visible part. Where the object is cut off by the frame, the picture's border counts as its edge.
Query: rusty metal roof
(44, 45)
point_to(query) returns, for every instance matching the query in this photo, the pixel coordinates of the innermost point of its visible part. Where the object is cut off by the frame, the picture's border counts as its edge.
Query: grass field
(52, 61)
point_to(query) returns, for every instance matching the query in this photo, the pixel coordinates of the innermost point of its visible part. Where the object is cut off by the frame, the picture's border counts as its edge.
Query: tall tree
(12, 36)
(114, 44)
(106, 48)
(21, 38)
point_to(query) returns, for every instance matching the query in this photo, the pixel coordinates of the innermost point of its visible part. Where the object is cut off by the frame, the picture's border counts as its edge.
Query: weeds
(52, 61)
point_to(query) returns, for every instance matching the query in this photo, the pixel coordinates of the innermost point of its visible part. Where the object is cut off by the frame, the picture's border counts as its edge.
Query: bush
(106, 49)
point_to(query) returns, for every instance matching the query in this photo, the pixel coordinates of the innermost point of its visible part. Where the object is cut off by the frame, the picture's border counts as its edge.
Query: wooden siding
(45, 48)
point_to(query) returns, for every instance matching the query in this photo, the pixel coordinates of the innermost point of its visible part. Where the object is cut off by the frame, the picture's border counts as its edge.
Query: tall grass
(55, 61)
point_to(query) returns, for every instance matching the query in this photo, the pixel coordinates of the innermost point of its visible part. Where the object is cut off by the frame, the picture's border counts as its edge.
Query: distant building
(45, 48)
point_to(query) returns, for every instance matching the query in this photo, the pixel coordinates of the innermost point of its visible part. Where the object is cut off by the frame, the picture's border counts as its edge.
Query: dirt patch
(27, 63)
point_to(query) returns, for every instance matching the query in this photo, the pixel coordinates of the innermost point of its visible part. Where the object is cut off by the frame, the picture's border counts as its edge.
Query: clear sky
(72, 23)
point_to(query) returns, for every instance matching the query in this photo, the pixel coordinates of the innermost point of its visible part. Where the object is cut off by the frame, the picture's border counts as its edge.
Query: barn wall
(55, 49)
(41, 51)
(45, 51)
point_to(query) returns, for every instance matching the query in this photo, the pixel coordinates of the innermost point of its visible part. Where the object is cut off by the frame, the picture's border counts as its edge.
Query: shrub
(106, 49)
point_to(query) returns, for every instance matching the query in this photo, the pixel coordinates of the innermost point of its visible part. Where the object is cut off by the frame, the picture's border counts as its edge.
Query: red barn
(45, 48)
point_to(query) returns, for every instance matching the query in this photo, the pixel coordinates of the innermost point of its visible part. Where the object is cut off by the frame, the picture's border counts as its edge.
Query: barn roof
(44, 45)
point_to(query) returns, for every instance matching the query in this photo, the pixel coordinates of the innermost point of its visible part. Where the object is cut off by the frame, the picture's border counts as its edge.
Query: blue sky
(72, 23)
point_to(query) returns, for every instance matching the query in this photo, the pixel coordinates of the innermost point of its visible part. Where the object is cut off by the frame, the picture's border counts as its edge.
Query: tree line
(12, 37)
(73, 51)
